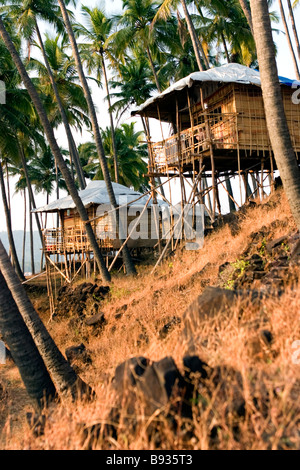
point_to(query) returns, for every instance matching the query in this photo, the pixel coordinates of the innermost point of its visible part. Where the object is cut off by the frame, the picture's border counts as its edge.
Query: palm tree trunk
(153, 69)
(209, 204)
(10, 236)
(247, 12)
(24, 352)
(24, 234)
(232, 207)
(55, 150)
(72, 147)
(112, 127)
(62, 374)
(248, 191)
(288, 36)
(31, 241)
(98, 141)
(254, 184)
(225, 48)
(7, 185)
(198, 49)
(32, 205)
(292, 17)
(275, 115)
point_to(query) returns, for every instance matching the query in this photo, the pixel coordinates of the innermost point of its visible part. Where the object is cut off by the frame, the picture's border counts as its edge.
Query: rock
(78, 352)
(73, 300)
(193, 366)
(223, 267)
(154, 383)
(228, 383)
(275, 243)
(213, 301)
(97, 320)
(36, 423)
(259, 345)
(101, 291)
(158, 383)
(168, 327)
(127, 373)
(146, 389)
(267, 337)
(295, 251)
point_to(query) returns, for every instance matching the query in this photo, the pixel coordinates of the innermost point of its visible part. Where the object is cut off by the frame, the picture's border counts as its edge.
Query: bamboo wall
(72, 236)
(248, 130)
(252, 130)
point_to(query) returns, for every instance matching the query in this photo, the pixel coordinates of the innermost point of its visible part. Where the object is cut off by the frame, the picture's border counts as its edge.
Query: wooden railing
(183, 148)
(70, 240)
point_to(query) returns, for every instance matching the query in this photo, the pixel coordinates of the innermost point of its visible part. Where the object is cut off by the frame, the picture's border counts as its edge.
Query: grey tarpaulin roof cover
(229, 73)
(96, 193)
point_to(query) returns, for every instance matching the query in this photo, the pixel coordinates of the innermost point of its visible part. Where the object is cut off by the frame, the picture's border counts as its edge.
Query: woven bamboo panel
(251, 121)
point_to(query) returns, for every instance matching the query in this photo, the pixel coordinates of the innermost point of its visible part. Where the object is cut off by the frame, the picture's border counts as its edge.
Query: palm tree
(288, 36)
(131, 152)
(69, 107)
(11, 120)
(180, 60)
(132, 155)
(133, 84)
(42, 174)
(275, 114)
(62, 374)
(21, 186)
(93, 116)
(27, 13)
(165, 11)
(227, 25)
(94, 51)
(9, 227)
(247, 12)
(24, 352)
(136, 29)
(55, 149)
(292, 18)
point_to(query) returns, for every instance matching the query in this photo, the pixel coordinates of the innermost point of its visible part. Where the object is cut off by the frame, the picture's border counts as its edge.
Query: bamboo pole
(174, 228)
(212, 159)
(127, 239)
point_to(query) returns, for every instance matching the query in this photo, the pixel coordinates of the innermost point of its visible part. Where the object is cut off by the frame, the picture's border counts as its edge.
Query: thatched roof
(229, 73)
(96, 193)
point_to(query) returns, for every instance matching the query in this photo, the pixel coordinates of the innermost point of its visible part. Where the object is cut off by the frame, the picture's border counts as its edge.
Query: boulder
(168, 327)
(78, 352)
(97, 320)
(159, 382)
(127, 373)
(213, 301)
(153, 385)
(270, 246)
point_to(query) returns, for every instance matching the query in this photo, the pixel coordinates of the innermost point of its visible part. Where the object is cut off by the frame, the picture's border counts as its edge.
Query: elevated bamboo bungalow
(67, 251)
(71, 236)
(217, 120)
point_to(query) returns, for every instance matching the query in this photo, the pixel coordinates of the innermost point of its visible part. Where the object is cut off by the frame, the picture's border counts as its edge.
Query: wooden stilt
(254, 183)
(212, 159)
(232, 207)
(272, 174)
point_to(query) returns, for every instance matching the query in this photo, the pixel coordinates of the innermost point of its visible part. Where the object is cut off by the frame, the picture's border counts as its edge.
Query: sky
(285, 68)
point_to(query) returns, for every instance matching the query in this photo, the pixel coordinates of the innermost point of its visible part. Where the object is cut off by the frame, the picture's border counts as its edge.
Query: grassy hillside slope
(145, 316)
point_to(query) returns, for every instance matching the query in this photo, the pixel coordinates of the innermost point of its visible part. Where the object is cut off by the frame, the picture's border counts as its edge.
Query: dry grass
(137, 309)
